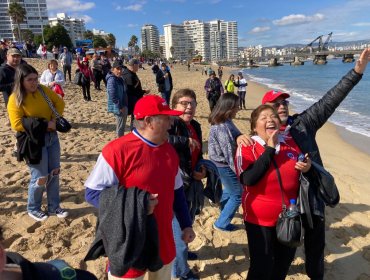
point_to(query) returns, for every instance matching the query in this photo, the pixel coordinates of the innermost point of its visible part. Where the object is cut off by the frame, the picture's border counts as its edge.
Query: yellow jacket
(34, 105)
(229, 86)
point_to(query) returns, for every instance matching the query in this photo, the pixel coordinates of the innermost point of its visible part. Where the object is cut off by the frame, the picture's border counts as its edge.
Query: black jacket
(7, 74)
(125, 233)
(303, 127)
(31, 141)
(134, 89)
(160, 80)
(179, 139)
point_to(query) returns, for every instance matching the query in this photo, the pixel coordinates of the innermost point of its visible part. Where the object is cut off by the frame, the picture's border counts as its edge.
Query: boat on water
(320, 60)
(348, 58)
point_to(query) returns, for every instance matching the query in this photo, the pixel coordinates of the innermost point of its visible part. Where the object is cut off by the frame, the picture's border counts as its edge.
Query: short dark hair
(181, 93)
(256, 113)
(224, 108)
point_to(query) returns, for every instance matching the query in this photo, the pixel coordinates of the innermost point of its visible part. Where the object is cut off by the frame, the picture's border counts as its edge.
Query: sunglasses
(185, 104)
(282, 102)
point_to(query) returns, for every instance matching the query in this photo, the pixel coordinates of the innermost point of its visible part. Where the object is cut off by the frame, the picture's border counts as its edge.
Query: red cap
(272, 95)
(85, 59)
(151, 105)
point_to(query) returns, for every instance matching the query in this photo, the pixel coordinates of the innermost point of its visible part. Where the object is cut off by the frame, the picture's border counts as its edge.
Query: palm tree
(17, 13)
(132, 43)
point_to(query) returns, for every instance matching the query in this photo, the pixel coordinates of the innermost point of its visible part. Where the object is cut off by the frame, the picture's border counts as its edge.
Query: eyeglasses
(282, 102)
(185, 104)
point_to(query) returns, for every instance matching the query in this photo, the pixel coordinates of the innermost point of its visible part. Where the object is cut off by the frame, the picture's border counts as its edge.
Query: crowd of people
(148, 183)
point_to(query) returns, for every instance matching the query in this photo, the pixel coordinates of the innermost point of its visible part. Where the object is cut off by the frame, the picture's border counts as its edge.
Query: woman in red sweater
(87, 77)
(262, 200)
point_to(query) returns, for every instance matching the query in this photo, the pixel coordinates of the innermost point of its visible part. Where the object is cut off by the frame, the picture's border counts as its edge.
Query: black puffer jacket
(303, 127)
(179, 139)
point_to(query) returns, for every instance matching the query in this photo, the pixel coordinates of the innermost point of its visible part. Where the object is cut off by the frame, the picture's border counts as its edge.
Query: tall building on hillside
(74, 26)
(215, 40)
(150, 38)
(36, 17)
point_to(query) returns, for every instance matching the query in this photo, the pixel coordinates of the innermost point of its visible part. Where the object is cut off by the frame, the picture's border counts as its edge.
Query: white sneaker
(60, 213)
(38, 215)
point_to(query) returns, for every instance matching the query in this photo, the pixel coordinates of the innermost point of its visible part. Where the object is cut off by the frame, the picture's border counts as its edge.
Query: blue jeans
(50, 161)
(166, 95)
(180, 265)
(231, 196)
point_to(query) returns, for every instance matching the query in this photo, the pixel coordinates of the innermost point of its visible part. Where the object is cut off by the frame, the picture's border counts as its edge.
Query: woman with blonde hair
(53, 78)
(30, 114)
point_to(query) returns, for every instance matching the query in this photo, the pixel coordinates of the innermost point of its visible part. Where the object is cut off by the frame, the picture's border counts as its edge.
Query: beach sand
(221, 255)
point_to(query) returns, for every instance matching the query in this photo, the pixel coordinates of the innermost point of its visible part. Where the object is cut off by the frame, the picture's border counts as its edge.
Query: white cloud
(361, 24)
(69, 5)
(135, 7)
(298, 19)
(260, 29)
(132, 25)
(87, 19)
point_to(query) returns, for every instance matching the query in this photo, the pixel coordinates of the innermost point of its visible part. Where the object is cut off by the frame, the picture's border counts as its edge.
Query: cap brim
(172, 113)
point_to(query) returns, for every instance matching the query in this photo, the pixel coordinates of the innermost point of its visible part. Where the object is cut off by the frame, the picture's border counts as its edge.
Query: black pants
(269, 259)
(314, 244)
(86, 89)
(212, 100)
(97, 77)
(67, 68)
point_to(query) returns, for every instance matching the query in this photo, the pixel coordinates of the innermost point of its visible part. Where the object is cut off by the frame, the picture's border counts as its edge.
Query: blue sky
(267, 22)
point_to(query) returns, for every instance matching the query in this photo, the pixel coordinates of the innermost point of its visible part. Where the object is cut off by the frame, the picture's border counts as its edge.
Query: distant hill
(338, 44)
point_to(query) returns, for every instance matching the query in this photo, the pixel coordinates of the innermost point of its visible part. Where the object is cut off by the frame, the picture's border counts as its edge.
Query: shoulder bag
(289, 229)
(62, 125)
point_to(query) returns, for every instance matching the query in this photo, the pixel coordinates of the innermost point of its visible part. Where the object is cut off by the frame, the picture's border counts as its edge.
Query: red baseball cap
(152, 105)
(272, 95)
(85, 59)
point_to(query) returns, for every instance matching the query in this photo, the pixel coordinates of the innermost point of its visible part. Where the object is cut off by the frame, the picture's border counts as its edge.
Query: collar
(259, 140)
(137, 134)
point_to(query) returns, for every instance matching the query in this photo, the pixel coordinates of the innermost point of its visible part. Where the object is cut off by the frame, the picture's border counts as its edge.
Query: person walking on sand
(144, 159)
(117, 97)
(87, 77)
(220, 72)
(37, 140)
(133, 87)
(214, 89)
(224, 137)
(229, 84)
(53, 78)
(303, 128)
(164, 82)
(241, 84)
(66, 59)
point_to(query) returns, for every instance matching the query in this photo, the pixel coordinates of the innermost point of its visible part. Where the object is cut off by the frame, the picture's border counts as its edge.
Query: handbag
(327, 188)
(289, 229)
(78, 77)
(62, 125)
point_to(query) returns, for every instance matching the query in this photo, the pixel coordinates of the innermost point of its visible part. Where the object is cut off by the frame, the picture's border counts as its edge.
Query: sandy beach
(221, 255)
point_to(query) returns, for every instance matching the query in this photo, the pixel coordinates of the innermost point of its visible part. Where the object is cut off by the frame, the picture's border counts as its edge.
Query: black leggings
(86, 89)
(269, 259)
(212, 100)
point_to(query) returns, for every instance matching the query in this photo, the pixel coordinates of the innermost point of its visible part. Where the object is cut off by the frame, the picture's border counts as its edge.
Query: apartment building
(74, 26)
(150, 38)
(36, 18)
(215, 40)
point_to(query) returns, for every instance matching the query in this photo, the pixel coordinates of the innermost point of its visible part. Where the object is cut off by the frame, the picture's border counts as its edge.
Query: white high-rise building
(162, 45)
(175, 46)
(74, 26)
(214, 40)
(223, 40)
(35, 20)
(150, 38)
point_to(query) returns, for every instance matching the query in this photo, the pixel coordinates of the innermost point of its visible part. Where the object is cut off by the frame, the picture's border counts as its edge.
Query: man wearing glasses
(303, 128)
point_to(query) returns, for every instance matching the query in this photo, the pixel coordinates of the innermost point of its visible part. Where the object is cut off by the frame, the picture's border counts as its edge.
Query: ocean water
(308, 83)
